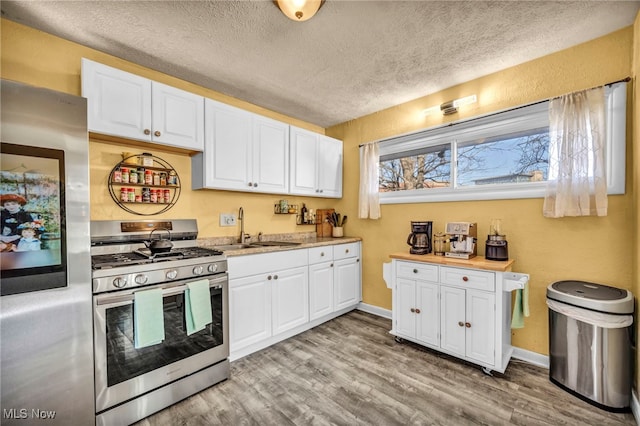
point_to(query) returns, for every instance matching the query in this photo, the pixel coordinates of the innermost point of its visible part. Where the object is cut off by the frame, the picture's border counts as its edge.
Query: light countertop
(478, 262)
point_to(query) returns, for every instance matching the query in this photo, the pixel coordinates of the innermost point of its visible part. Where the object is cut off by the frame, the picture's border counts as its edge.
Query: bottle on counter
(304, 214)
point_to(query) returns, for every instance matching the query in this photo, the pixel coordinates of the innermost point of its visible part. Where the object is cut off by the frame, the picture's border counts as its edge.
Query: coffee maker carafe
(420, 238)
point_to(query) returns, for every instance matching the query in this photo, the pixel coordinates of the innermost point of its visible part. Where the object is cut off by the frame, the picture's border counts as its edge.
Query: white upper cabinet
(129, 106)
(316, 164)
(243, 152)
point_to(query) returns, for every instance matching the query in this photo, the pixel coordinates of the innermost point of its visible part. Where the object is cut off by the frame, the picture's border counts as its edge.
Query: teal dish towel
(148, 318)
(520, 307)
(197, 306)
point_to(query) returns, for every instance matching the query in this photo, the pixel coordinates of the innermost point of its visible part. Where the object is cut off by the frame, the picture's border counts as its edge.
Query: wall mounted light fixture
(299, 10)
(450, 107)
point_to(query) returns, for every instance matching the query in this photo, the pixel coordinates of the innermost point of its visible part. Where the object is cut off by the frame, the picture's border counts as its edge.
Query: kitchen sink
(275, 243)
(233, 247)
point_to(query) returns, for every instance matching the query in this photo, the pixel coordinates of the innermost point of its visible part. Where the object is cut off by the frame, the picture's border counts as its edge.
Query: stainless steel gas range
(131, 383)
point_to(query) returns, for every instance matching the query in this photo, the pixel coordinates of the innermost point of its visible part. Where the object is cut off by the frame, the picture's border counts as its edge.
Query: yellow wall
(40, 59)
(593, 249)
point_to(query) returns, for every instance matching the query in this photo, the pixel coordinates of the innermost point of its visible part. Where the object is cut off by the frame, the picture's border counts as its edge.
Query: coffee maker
(462, 240)
(420, 238)
(496, 247)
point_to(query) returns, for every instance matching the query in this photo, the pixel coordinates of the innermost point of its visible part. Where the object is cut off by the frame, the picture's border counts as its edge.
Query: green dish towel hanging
(520, 307)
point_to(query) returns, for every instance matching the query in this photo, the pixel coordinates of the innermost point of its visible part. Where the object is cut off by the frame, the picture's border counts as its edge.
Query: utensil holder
(337, 232)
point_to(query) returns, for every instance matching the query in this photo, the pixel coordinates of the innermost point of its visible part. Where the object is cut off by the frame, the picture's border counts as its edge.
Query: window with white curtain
(500, 156)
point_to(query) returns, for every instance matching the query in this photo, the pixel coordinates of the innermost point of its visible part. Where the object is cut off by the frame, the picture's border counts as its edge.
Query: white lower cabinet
(459, 311)
(250, 302)
(273, 296)
(290, 293)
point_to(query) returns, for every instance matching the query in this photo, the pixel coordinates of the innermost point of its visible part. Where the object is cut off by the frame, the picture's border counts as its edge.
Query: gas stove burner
(168, 255)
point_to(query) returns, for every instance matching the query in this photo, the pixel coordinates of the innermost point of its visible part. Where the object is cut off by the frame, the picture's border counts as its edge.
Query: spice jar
(173, 178)
(163, 179)
(167, 195)
(125, 175)
(146, 195)
(117, 176)
(153, 197)
(133, 176)
(124, 194)
(156, 179)
(148, 177)
(132, 195)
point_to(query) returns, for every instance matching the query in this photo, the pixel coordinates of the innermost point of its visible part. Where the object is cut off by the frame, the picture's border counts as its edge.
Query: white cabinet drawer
(468, 278)
(263, 263)
(320, 254)
(343, 251)
(417, 271)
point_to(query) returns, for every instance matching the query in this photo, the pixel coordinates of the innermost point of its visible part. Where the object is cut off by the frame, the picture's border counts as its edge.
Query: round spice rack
(144, 185)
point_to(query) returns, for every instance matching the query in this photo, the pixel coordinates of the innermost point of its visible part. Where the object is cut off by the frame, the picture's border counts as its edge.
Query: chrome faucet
(243, 236)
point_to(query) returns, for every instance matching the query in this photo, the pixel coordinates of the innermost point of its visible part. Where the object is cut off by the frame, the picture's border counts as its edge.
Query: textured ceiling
(353, 58)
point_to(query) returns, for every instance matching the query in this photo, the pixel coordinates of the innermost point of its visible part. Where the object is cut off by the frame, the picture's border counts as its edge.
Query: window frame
(503, 123)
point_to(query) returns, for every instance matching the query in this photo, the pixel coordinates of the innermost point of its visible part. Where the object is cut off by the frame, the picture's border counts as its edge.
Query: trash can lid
(598, 297)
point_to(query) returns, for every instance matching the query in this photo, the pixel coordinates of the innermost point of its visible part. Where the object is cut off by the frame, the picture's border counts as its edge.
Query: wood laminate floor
(350, 371)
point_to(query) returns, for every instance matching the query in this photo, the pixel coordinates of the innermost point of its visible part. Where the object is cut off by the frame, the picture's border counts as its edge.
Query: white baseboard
(635, 406)
(531, 357)
(375, 310)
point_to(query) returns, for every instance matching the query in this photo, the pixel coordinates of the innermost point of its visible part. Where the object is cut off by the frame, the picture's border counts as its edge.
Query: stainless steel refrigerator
(45, 284)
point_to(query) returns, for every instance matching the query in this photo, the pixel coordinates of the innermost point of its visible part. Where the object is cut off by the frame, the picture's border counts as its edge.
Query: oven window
(124, 362)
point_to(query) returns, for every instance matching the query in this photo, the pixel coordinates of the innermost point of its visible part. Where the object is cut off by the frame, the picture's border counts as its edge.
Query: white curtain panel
(369, 200)
(577, 134)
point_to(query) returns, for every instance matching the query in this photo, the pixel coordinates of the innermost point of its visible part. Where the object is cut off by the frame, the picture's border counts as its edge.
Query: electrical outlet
(227, 219)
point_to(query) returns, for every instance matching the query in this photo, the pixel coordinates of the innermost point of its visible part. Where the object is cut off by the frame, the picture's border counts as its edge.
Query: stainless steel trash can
(590, 342)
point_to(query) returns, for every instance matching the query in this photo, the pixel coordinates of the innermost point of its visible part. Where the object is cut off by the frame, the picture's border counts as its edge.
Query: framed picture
(32, 228)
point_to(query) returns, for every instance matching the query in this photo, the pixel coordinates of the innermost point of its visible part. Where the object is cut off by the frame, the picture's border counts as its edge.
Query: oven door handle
(166, 291)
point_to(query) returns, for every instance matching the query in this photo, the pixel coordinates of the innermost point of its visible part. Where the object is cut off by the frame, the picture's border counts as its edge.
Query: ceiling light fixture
(450, 107)
(299, 10)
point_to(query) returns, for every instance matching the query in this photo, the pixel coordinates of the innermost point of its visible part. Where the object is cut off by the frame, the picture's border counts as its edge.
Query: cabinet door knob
(322, 254)
(250, 184)
(357, 260)
(417, 311)
(460, 323)
(415, 271)
(346, 251)
(322, 190)
(317, 190)
(275, 277)
(255, 185)
(465, 278)
(332, 265)
(269, 277)
(412, 310)
(147, 131)
(156, 133)
(467, 324)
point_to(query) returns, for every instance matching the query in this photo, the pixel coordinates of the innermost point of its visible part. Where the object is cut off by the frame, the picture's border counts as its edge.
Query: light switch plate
(227, 219)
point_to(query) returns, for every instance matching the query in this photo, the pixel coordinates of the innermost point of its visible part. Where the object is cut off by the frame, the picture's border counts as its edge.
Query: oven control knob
(213, 267)
(198, 270)
(119, 282)
(171, 274)
(141, 279)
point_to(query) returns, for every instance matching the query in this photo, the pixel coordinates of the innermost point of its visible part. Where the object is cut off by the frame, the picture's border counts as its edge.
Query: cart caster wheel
(487, 371)
(398, 339)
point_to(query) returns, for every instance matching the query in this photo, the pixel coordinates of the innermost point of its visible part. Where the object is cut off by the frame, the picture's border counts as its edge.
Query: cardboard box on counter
(323, 227)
